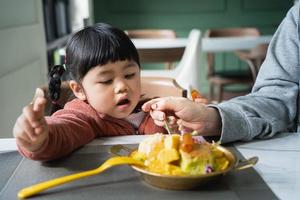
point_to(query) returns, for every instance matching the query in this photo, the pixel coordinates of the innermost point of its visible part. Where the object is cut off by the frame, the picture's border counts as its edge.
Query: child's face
(113, 88)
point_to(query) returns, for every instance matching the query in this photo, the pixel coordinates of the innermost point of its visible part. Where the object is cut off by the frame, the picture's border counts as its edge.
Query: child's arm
(31, 129)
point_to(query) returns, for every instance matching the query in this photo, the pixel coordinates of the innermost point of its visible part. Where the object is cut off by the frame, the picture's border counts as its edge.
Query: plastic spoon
(114, 161)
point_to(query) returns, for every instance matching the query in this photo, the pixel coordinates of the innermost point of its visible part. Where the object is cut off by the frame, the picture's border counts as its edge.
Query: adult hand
(193, 115)
(31, 129)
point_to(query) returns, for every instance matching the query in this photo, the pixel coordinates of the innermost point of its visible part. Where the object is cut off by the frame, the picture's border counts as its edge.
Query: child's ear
(77, 90)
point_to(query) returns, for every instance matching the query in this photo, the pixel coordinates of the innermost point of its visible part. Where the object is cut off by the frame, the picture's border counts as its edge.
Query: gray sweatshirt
(273, 105)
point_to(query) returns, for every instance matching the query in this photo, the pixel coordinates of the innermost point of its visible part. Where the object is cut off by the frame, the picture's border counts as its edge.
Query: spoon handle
(35, 189)
(166, 126)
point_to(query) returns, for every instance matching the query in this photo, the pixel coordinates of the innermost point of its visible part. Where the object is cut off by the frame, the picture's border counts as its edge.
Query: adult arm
(272, 106)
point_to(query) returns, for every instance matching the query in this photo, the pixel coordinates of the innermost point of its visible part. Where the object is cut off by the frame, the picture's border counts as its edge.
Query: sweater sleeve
(69, 129)
(272, 106)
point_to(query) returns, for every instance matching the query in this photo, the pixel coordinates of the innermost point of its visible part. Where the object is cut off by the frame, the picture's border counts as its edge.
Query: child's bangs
(105, 50)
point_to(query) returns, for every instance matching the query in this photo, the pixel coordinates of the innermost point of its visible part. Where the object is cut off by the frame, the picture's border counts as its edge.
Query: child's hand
(31, 129)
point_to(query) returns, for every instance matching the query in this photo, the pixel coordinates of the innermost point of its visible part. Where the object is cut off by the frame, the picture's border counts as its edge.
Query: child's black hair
(92, 46)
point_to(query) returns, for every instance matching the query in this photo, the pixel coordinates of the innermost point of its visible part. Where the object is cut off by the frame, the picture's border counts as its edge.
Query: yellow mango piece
(138, 156)
(168, 155)
(172, 141)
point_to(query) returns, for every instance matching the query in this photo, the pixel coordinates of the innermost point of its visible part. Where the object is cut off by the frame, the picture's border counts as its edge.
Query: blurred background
(33, 34)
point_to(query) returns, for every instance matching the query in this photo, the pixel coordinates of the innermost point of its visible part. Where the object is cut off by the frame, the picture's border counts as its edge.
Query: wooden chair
(151, 33)
(153, 55)
(223, 78)
(161, 55)
(151, 87)
(254, 58)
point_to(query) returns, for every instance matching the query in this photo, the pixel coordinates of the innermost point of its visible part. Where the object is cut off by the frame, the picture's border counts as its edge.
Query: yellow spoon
(35, 189)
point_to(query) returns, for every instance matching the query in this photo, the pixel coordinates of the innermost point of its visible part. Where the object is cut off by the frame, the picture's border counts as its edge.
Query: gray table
(117, 183)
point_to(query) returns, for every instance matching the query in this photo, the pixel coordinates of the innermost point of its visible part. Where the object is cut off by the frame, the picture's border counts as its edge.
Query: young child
(104, 70)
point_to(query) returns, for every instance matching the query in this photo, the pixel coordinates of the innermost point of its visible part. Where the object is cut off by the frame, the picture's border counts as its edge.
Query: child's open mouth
(123, 102)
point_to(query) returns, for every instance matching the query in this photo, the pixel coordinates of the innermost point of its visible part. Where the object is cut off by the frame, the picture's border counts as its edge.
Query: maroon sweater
(78, 124)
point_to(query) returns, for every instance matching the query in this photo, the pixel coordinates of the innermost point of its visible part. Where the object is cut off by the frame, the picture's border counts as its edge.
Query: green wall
(183, 15)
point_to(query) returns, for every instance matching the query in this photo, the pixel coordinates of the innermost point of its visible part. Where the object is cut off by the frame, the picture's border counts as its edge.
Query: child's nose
(121, 86)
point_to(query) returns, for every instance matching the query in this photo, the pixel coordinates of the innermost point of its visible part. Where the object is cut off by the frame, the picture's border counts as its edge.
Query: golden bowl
(187, 181)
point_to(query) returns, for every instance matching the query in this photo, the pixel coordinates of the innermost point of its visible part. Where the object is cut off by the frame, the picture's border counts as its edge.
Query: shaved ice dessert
(180, 155)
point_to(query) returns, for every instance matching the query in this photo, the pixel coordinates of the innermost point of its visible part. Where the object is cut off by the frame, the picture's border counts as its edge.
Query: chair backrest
(160, 55)
(187, 71)
(254, 58)
(151, 33)
(161, 87)
(227, 32)
(232, 32)
(148, 55)
(151, 87)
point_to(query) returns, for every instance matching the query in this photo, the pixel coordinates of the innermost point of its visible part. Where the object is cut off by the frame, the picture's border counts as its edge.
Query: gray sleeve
(272, 106)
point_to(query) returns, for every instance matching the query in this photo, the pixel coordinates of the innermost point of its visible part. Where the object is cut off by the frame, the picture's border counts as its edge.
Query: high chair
(187, 72)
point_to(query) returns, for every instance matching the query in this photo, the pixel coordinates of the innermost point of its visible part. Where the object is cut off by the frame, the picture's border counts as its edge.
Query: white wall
(23, 64)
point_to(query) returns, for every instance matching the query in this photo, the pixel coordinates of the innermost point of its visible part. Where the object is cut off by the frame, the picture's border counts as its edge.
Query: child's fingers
(36, 118)
(29, 114)
(40, 126)
(39, 106)
(24, 137)
(18, 132)
(25, 128)
(39, 93)
(39, 130)
(39, 103)
(23, 142)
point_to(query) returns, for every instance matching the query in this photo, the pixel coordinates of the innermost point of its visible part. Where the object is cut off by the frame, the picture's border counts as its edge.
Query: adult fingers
(158, 115)
(198, 126)
(201, 100)
(168, 103)
(147, 106)
(159, 123)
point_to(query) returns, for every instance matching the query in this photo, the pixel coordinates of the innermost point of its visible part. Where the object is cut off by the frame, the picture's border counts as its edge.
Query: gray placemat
(122, 182)
(8, 163)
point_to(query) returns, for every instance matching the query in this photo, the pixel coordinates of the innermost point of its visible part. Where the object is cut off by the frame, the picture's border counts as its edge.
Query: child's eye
(128, 76)
(106, 82)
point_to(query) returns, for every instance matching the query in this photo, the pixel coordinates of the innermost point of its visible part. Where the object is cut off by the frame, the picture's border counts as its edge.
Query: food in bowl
(180, 155)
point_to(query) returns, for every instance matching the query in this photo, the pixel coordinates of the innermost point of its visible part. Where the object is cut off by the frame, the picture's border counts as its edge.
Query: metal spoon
(166, 126)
